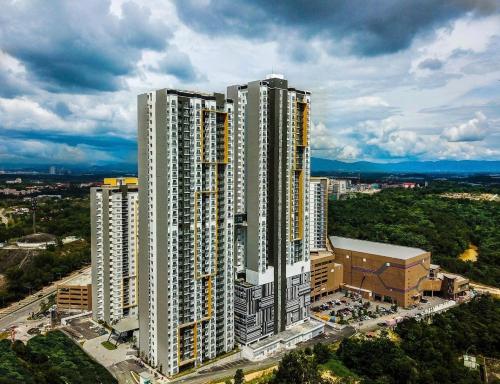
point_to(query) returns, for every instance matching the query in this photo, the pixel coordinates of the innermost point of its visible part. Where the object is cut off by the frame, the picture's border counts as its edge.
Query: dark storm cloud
(432, 64)
(178, 64)
(369, 27)
(78, 46)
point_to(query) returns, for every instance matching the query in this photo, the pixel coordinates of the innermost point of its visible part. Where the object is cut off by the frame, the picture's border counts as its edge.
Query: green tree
(297, 368)
(322, 353)
(239, 377)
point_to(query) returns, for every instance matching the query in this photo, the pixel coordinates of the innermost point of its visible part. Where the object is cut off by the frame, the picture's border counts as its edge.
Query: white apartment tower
(318, 213)
(186, 228)
(271, 205)
(114, 218)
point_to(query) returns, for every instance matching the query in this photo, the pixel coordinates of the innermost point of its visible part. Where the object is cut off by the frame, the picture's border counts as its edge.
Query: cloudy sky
(391, 80)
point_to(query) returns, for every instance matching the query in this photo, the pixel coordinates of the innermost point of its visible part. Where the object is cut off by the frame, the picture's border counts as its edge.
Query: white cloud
(24, 151)
(325, 144)
(24, 114)
(473, 130)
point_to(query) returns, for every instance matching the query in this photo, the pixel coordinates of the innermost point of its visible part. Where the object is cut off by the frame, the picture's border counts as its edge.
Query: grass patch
(108, 345)
(337, 368)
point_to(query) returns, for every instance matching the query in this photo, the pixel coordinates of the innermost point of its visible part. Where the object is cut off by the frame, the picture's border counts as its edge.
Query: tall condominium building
(114, 218)
(318, 213)
(185, 228)
(271, 205)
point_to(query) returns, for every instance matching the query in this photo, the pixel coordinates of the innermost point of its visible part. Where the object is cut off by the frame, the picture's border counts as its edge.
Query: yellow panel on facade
(112, 181)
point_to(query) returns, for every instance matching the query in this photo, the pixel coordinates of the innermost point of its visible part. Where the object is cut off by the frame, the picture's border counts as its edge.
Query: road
(493, 291)
(202, 376)
(19, 311)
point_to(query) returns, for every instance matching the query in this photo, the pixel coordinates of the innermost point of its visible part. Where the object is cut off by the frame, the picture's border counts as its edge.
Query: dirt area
(14, 257)
(257, 374)
(472, 196)
(492, 369)
(3, 219)
(470, 254)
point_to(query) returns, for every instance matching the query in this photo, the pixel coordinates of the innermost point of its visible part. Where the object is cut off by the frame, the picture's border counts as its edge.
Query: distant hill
(317, 165)
(439, 166)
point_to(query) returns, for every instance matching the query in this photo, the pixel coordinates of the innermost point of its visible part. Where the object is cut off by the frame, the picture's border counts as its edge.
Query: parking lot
(365, 314)
(84, 328)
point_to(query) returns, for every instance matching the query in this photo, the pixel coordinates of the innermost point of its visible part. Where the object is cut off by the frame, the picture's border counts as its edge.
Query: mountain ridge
(431, 166)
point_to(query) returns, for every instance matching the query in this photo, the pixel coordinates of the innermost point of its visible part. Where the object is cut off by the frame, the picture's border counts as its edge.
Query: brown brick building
(75, 296)
(382, 271)
(326, 274)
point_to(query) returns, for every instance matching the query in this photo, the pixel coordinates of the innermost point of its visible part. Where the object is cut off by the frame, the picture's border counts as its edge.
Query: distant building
(383, 271)
(338, 187)
(17, 180)
(318, 213)
(52, 170)
(114, 248)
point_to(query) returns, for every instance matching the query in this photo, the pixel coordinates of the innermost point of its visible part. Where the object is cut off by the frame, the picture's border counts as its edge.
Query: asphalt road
(19, 315)
(330, 336)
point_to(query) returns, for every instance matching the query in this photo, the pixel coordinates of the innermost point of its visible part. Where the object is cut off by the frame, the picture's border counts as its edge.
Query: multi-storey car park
(114, 214)
(186, 228)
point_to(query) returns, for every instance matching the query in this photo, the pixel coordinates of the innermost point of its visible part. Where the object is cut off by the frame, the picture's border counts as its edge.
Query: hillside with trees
(419, 352)
(425, 219)
(52, 358)
(24, 271)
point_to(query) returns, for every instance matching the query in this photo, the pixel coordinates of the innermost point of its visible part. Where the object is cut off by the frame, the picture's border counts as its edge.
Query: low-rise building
(447, 285)
(76, 296)
(382, 271)
(326, 274)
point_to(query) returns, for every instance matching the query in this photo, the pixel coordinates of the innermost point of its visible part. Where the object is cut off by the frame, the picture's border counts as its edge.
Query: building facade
(318, 213)
(114, 218)
(271, 141)
(326, 275)
(186, 228)
(382, 271)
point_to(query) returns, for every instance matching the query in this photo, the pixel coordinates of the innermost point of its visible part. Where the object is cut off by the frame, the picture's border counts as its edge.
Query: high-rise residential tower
(114, 217)
(318, 213)
(271, 204)
(185, 228)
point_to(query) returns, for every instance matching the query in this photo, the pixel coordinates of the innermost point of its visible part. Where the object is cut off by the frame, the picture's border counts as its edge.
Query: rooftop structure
(374, 248)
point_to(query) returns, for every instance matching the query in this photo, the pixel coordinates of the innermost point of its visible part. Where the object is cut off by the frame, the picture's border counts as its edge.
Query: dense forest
(52, 358)
(429, 353)
(422, 353)
(423, 218)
